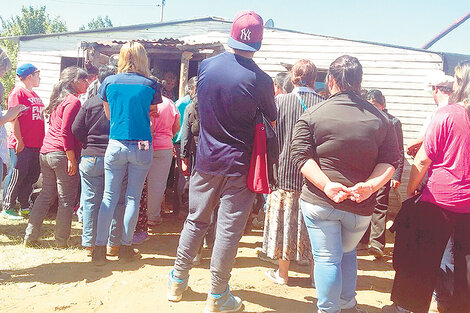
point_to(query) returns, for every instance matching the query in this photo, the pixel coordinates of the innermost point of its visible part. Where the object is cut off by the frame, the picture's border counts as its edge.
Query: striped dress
(285, 235)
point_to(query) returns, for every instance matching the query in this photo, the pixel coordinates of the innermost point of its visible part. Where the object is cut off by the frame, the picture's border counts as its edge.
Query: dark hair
(280, 78)
(303, 73)
(376, 95)
(105, 71)
(66, 85)
(347, 73)
(462, 78)
(443, 89)
(287, 85)
(91, 69)
(192, 82)
(363, 94)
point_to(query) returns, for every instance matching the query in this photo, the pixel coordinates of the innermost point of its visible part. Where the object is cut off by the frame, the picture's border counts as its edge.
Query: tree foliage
(98, 23)
(30, 21)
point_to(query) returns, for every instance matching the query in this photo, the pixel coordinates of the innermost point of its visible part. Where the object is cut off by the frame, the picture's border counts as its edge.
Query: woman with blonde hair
(129, 98)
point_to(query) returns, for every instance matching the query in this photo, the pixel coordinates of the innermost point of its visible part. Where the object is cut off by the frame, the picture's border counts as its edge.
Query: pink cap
(247, 31)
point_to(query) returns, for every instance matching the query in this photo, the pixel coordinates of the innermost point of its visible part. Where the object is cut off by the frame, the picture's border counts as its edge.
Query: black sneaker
(31, 243)
(60, 244)
(98, 256)
(128, 254)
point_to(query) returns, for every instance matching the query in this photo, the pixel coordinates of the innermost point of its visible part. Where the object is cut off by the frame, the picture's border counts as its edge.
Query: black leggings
(422, 232)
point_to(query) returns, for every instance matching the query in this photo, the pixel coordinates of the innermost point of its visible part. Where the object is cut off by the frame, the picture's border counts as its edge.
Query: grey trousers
(236, 201)
(156, 182)
(55, 182)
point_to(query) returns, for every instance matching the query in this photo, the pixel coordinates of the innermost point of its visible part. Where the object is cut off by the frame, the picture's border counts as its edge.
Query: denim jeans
(334, 235)
(121, 157)
(92, 179)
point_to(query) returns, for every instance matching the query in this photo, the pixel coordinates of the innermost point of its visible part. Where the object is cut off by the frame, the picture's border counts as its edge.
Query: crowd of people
(340, 154)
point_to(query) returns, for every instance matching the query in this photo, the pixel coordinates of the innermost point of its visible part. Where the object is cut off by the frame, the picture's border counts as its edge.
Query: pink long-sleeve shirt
(59, 136)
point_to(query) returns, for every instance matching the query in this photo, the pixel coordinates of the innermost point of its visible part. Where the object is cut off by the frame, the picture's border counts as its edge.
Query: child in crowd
(24, 141)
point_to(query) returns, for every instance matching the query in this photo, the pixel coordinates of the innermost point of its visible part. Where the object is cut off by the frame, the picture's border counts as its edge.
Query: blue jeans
(334, 235)
(92, 178)
(122, 157)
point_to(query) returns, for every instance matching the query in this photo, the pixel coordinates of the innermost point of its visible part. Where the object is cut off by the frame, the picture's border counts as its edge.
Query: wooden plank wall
(399, 73)
(46, 53)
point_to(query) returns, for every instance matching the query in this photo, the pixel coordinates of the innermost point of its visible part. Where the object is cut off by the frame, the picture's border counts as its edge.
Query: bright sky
(400, 22)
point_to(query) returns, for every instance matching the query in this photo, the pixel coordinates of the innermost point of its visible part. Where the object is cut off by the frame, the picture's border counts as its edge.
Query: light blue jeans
(334, 235)
(121, 157)
(92, 180)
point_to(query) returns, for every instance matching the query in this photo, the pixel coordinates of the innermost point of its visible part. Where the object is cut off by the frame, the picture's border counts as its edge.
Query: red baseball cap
(247, 31)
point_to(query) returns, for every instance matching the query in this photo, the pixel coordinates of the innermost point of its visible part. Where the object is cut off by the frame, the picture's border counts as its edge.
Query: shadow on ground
(69, 272)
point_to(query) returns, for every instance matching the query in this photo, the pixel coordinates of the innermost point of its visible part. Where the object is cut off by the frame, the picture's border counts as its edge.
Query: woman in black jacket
(346, 149)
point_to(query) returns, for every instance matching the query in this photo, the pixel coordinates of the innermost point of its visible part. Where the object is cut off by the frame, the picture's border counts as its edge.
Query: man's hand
(154, 111)
(336, 192)
(19, 146)
(13, 112)
(360, 192)
(72, 167)
(413, 148)
(395, 184)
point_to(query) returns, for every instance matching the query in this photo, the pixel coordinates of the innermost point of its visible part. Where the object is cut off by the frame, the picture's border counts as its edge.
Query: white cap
(439, 79)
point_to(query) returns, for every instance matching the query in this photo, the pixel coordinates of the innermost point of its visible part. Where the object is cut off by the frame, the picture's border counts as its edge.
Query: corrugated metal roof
(120, 28)
(167, 43)
(155, 43)
(205, 19)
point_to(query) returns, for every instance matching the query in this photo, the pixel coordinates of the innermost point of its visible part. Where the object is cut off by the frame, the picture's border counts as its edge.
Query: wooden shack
(400, 72)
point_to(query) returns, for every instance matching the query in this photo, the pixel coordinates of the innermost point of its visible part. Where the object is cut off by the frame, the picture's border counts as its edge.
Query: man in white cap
(440, 85)
(230, 90)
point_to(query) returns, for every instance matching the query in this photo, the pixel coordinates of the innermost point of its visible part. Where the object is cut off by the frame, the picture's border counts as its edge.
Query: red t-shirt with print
(31, 121)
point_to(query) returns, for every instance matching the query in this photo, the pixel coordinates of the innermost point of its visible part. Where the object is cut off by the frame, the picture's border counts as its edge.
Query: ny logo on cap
(245, 34)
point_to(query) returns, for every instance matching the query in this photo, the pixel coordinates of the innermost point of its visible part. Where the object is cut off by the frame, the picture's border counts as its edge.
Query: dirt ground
(49, 280)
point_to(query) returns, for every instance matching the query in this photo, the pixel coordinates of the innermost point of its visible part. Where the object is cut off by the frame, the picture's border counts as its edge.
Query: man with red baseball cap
(230, 90)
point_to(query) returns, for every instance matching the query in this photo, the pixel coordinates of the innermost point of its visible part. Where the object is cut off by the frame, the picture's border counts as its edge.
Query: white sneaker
(274, 276)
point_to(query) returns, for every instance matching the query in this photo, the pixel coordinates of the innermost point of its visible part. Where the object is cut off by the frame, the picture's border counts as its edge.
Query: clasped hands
(357, 193)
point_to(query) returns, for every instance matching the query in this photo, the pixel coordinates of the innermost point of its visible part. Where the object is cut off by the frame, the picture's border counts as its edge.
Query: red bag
(258, 177)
